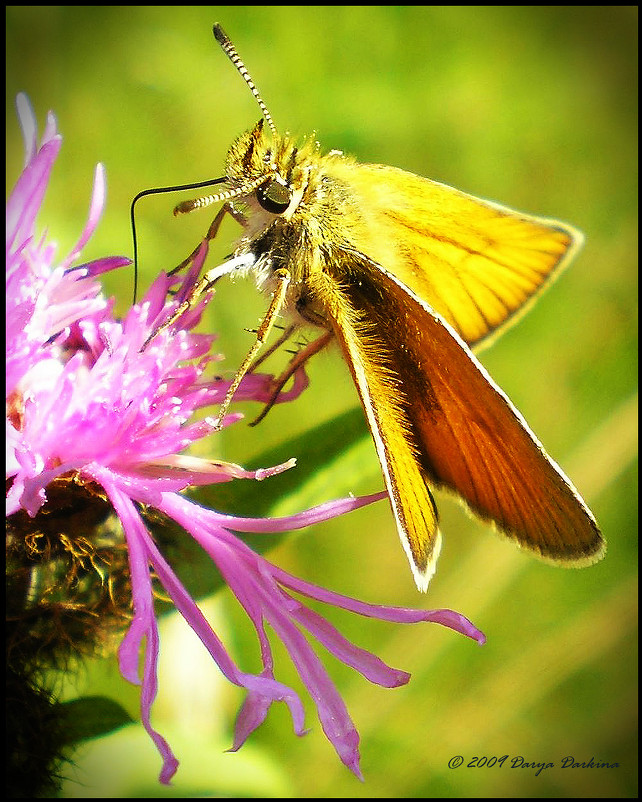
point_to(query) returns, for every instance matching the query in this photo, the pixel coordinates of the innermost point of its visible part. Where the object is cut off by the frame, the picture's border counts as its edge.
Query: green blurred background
(533, 107)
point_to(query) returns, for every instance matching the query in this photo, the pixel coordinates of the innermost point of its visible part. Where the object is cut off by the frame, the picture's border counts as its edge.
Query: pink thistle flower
(84, 401)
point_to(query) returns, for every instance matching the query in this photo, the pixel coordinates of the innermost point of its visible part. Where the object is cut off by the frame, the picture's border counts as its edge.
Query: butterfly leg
(297, 361)
(209, 279)
(287, 333)
(226, 208)
(283, 279)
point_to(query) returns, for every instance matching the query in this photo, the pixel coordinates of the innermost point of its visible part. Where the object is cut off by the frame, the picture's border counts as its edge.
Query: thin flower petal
(314, 515)
(27, 120)
(95, 211)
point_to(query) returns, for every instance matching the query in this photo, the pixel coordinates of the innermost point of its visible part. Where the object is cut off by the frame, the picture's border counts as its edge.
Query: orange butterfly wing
(438, 418)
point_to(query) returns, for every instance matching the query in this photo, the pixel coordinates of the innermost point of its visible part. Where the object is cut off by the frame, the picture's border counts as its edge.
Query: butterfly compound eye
(274, 197)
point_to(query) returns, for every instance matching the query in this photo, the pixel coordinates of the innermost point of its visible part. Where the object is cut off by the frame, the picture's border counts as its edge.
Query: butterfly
(407, 275)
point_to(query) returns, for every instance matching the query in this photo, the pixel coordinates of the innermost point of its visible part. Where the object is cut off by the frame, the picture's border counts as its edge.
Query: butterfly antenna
(224, 41)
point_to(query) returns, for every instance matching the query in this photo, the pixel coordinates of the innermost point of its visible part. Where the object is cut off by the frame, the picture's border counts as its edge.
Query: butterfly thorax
(296, 210)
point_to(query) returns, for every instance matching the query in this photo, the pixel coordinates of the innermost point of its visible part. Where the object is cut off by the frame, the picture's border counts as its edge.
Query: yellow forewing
(474, 262)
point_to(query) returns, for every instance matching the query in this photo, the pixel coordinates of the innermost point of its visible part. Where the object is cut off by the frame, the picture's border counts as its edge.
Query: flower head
(92, 413)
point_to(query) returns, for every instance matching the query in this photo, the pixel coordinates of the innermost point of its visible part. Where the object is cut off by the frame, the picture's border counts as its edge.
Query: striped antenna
(198, 203)
(224, 41)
